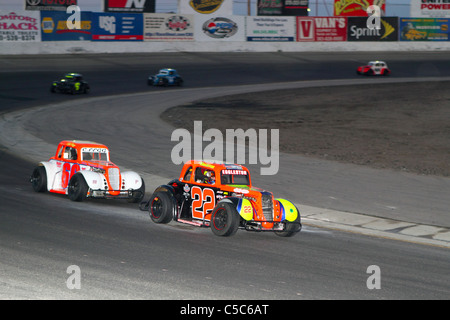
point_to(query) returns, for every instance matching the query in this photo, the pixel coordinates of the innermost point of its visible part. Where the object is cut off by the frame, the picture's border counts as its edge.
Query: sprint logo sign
(358, 30)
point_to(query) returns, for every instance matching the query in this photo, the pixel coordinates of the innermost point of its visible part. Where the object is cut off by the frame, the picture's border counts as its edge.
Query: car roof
(215, 165)
(377, 61)
(73, 74)
(82, 143)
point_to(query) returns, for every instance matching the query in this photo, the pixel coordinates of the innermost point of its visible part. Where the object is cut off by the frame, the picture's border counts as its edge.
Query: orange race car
(83, 169)
(221, 196)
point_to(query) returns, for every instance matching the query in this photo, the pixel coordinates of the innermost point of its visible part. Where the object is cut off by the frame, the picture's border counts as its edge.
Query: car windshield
(239, 177)
(163, 72)
(94, 154)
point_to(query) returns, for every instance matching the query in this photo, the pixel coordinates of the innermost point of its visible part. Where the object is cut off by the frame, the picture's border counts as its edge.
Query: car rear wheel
(77, 188)
(39, 179)
(160, 207)
(224, 220)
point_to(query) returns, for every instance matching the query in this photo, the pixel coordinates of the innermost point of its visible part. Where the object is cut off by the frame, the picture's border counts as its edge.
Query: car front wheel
(160, 207)
(77, 188)
(224, 220)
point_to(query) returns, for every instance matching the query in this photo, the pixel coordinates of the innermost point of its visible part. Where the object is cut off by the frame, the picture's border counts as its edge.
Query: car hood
(99, 164)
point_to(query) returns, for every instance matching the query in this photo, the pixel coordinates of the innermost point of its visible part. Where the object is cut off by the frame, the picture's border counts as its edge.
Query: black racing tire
(160, 207)
(39, 179)
(77, 189)
(225, 220)
(291, 227)
(87, 89)
(138, 194)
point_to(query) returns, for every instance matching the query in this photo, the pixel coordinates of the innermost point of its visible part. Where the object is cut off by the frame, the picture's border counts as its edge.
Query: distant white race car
(82, 169)
(374, 68)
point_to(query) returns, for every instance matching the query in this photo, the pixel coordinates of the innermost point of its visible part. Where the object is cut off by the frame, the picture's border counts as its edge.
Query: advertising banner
(295, 7)
(54, 27)
(129, 6)
(282, 7)
(430, 8)
(217, 7)
(357, 8)
(424, 29)
(358, 31)
(219, 28)
(321, 29)
(270, 8)
(117, 26)
(270, 28)
(168, 27)
(20, 26)
(49, 5)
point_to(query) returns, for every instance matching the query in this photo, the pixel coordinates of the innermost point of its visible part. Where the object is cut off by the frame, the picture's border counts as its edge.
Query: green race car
(72, 83)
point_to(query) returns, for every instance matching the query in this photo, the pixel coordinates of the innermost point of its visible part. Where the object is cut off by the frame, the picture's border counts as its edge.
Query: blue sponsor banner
(54, 26)
(117, 26)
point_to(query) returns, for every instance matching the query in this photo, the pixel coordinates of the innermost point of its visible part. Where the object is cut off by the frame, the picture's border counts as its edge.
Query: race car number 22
(203, 202)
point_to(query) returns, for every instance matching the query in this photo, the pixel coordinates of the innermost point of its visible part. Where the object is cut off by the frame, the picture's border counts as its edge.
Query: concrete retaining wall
(71, 47)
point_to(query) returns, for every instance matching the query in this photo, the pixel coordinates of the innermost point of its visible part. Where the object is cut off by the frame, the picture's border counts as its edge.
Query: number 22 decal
(203, 201)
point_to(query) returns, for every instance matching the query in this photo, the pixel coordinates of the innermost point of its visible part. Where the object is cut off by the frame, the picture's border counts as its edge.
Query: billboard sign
(424, 29)
(282, 7)
(168, 27)
(49, 5)
(321, 29)
(54, 27)
(129, 6)
(358, 31)
(20, 26)
(430, 8)
(220, 28)
(117, 26)
(295, 7)
(217, 7)
(357, 8)
(270, 28)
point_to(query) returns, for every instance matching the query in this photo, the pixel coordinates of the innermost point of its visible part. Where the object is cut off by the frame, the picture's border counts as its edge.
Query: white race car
(374, 68)
(82, 169)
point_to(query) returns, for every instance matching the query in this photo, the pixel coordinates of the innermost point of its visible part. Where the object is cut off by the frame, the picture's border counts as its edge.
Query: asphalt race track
(122, 254)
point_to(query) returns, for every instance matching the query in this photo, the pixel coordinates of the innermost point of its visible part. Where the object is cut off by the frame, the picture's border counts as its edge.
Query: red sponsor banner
(129, 6)
(356, 8)
(321, 29)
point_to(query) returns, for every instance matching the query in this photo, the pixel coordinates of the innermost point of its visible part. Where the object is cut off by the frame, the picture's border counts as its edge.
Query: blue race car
(165, 77)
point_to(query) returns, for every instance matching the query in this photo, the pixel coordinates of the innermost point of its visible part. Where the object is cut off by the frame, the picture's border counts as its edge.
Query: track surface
(122, 254)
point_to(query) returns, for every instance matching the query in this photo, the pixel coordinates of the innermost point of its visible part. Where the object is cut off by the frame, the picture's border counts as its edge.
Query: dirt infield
(398, 126)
